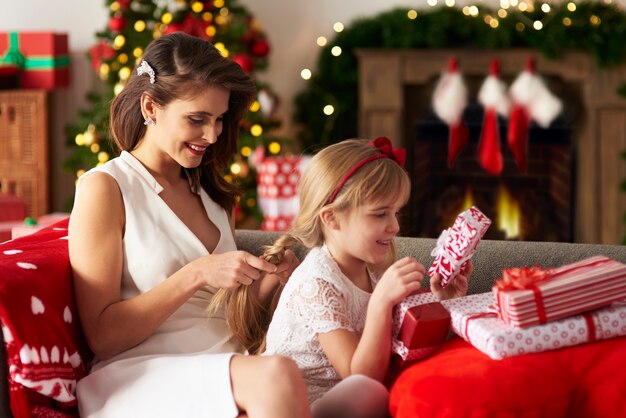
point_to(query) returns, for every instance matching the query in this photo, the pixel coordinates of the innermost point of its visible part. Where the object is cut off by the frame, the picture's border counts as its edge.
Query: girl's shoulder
(319, 265)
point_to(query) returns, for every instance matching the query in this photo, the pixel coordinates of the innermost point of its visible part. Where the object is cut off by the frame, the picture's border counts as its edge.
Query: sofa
(456, 380)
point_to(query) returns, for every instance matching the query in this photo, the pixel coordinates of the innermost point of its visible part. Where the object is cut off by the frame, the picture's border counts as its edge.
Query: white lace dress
(318, 298)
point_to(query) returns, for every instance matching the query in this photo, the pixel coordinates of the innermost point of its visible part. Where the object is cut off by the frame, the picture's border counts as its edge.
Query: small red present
(528, 296)
(41, 57)
(457, 244)
(420, 325)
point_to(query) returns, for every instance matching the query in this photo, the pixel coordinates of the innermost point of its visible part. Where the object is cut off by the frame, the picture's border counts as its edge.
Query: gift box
(530, 296)
(476, 320)
(277, 189)
(420, 326)
(41, 57)
(457, 244)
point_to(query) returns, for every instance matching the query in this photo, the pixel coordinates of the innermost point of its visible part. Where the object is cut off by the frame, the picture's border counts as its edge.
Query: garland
(594, 27)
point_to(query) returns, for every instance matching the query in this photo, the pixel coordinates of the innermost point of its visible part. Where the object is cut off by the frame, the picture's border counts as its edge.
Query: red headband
(386, 151)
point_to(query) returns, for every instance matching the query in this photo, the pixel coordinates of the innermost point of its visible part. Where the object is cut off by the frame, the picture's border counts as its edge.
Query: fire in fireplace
(534, 206)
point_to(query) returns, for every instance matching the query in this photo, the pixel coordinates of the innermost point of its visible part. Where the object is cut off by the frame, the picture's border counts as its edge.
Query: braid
(247, 317)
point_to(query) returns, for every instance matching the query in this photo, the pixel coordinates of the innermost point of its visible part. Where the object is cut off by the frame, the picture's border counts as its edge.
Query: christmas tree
(132, 25)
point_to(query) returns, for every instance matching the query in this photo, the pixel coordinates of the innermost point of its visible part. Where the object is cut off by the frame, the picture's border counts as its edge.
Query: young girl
(334, 315)
(151, 241)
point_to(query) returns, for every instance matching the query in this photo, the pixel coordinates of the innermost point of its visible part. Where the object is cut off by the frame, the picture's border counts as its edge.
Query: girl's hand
(457, 287)
(401, 279)
(229, 270)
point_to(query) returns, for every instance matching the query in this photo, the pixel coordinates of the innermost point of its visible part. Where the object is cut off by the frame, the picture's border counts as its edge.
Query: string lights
(528, 15)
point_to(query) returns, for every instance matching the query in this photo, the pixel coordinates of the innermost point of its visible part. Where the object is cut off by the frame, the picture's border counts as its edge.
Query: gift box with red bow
(40, 59)
(277, 189)
(529, 296)
(457, 244)
(420, 326)
(476, 320)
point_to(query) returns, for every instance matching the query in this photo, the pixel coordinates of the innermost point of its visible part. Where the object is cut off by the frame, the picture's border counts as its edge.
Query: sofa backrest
(490, 259)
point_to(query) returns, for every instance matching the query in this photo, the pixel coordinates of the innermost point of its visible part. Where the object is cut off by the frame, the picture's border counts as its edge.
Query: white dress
(183, 368)
(318, 298)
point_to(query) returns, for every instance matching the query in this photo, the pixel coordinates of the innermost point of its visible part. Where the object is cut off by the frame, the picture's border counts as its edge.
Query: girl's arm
(370, 354)
(112, 325)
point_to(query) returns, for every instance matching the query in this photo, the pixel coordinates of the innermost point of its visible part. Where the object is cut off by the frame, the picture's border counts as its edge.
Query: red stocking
(489, 154)
(518, 134)
(459, 135)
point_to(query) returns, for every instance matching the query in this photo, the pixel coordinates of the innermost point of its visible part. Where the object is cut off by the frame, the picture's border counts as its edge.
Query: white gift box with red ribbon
(527, 297)
(476, 320)
(457, 244)
(277, 189)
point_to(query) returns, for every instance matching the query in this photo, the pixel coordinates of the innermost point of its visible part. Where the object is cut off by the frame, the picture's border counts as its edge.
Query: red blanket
(46, 352)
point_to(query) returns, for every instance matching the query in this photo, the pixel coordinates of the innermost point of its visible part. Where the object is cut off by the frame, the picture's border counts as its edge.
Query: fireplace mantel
(599, 139)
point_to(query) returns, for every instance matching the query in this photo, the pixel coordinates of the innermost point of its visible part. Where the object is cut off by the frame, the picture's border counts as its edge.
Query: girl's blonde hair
(375, 181)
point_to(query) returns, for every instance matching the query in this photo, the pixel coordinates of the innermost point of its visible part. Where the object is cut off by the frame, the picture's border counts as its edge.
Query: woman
(151, 240)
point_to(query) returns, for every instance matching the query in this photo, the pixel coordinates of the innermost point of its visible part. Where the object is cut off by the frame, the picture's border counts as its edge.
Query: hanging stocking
(492, 95)
(531, 101)
(449, 101)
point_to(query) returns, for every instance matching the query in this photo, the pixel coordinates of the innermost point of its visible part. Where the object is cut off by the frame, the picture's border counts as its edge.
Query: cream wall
(292, 27)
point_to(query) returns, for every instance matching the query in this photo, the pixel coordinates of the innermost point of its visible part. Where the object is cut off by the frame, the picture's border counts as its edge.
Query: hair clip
(144, 68)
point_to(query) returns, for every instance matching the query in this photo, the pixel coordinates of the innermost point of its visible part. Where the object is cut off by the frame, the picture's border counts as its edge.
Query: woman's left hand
(457, 287)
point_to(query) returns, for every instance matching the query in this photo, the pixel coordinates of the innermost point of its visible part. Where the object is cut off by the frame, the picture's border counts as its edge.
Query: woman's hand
(230, 270)
(286, 268)
(401, 279)
(457, 287)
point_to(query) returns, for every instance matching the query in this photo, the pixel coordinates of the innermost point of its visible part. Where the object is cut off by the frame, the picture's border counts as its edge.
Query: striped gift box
(564, 291)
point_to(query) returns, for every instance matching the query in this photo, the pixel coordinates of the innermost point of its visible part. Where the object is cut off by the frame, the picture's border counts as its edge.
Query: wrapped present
(277, 189)
(476, 320)
(457, 244)
(420, 325)
(530, 296)
(41, 57)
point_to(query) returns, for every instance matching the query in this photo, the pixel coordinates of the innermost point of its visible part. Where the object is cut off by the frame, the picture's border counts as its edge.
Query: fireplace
(571, 189)
(536, 205)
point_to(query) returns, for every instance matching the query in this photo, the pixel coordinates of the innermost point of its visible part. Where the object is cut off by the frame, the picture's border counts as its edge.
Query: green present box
(41, 59)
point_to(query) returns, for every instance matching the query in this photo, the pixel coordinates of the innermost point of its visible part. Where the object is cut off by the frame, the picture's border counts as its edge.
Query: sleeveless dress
(183, 368)
(318, 298)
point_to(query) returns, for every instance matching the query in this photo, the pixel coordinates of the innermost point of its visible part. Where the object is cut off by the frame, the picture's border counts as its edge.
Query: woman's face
(185, 128)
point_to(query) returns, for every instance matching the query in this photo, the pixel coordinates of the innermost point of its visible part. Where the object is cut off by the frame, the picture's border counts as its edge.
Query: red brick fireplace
(571, 189)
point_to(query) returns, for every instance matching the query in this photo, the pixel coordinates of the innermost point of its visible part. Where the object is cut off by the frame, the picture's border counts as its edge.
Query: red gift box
(457, 244)
(277, 189)
(475, 319)
(529, 296)
(420, 325)
(41, 57)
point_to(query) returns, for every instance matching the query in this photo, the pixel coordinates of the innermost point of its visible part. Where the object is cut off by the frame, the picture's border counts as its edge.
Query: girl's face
(365, 233)
(186, 128)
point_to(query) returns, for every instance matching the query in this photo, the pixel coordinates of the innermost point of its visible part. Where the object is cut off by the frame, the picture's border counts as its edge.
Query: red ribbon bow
(384, 145)
(522, 277)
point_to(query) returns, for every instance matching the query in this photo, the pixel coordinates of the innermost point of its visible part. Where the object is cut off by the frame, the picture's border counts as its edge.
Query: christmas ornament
(449, 102)
(244, 61)
(492, 95)
(267, 101)
(99, 53)
(531, 101)
(117, 23)
(260, 48)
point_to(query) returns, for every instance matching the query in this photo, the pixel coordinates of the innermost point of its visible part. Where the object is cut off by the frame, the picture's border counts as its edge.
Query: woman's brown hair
(184, 65)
